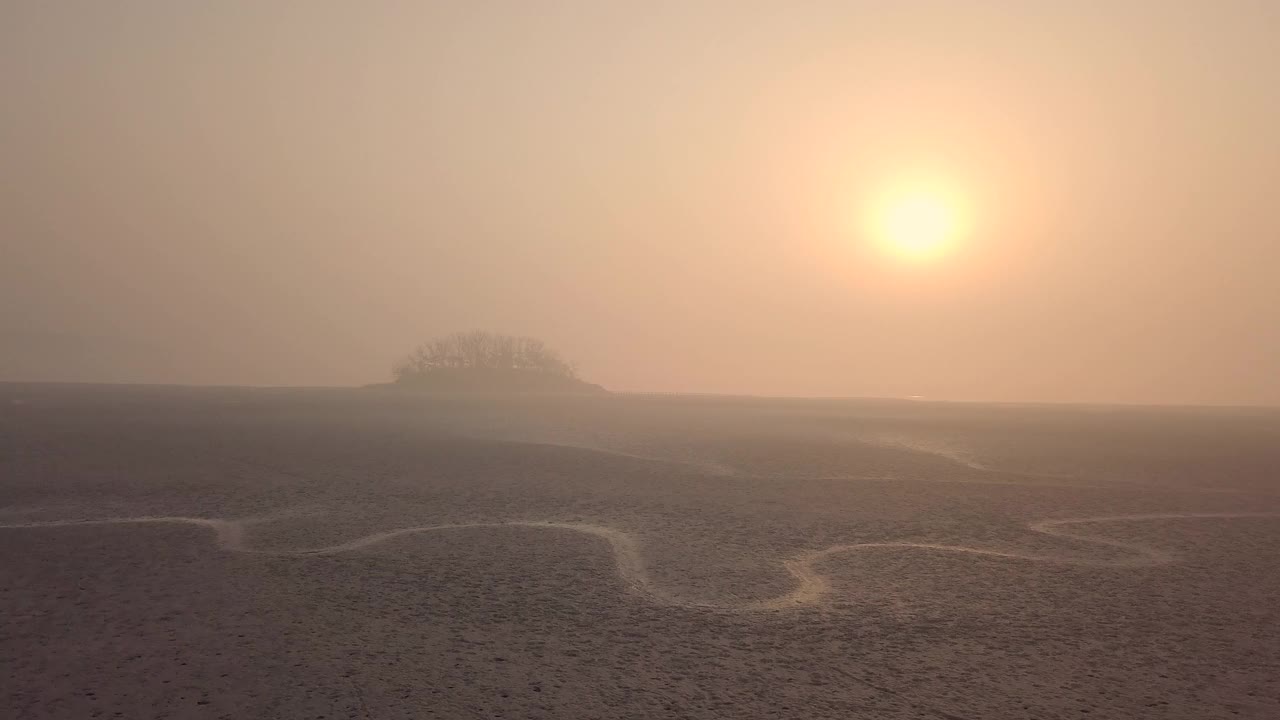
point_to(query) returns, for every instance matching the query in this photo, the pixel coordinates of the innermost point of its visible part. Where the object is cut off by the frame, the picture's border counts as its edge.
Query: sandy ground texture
(237, 553)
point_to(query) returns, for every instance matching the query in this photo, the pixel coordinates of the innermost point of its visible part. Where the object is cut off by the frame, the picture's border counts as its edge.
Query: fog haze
(298, 192)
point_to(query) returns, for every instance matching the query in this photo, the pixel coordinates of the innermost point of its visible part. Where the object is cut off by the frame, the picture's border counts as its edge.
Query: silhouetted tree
(481, 350)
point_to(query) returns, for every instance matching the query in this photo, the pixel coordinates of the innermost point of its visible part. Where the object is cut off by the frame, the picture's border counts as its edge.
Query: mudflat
(308, 553)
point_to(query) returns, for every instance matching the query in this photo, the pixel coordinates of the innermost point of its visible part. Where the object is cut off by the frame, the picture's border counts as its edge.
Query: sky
(680, 196)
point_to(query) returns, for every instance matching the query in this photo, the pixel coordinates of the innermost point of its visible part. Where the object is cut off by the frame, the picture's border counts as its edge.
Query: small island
(484, 362)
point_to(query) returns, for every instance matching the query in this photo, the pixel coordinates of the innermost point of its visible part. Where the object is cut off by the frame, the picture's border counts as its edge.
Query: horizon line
(692, 394)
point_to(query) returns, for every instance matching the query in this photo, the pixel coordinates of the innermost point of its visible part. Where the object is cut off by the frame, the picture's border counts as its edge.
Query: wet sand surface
(236, 553)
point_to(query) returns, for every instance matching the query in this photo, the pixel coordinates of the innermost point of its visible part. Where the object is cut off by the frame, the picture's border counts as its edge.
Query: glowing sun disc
(918, 223)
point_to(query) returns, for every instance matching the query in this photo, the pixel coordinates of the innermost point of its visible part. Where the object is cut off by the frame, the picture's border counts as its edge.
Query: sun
(918, 221)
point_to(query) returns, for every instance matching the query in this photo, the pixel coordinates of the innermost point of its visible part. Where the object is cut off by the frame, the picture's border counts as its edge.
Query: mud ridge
(811, 586)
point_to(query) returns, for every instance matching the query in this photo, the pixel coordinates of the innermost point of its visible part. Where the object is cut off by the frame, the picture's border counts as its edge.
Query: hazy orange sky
(673, 194)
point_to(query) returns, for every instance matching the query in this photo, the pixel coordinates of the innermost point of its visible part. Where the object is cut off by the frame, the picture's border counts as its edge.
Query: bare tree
(477, 349)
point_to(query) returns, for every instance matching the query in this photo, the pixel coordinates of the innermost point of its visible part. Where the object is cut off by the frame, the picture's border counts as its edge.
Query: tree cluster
(479, 350)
